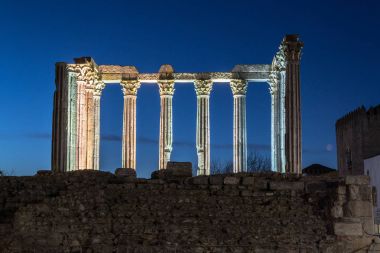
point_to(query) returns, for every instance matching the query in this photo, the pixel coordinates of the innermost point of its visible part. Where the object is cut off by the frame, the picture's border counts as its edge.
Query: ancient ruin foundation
(94, 211)
(76, 119)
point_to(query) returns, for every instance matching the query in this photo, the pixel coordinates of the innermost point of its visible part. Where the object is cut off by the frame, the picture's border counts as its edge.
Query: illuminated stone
(130, 88)
(239, 89)
(166, 121)
(76, 114)
(203, 89)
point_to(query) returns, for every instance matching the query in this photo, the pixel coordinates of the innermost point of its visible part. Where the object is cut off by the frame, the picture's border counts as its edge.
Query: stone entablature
(254, 72)
(77, 115)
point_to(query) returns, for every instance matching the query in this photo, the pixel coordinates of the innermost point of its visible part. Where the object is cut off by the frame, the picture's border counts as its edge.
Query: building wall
(372, 169)
(372, 137)
(357, 137)
(91, 211)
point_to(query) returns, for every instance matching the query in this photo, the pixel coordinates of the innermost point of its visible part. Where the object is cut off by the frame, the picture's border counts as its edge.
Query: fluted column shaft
(203, 89)
(274, 131)
(96, 131)
(82, 126)
(166, 121)
(90, 129)
(276, 118)
(292, 49)
(130, 88)
(239, 89)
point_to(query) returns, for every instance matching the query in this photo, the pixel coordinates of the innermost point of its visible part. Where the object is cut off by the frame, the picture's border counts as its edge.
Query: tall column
(239, 90)
(292, 49)
(203, 89)
(96, 100)
(90, 128)
(166, 128)
(130, 88)
(275, 145)
(82, 126)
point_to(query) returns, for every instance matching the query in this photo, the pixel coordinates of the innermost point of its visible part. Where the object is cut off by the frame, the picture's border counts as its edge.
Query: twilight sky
(339, 70)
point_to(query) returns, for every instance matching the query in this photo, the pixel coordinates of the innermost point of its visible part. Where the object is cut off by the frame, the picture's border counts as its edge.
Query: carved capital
(166, 87)
(130, 87)
(273, 82)
(99, 86)
(292, 48)
(239, 86)
(87, 74)
(203, 87)
(279, 60)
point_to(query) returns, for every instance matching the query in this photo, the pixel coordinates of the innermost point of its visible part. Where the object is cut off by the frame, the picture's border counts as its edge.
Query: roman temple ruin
(76, 116)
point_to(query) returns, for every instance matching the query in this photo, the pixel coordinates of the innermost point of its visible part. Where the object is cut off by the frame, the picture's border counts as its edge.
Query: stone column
(273, 84)
(203, 89)
(82, 125)
(292, 49)
(90, 129)
(130, 88)
(166, 130)
(239, 89)
(97, 94)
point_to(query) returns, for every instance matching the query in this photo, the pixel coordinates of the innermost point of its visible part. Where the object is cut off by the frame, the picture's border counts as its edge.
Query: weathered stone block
(218, 180)
(175, 170)
(283, 185)
(358, 208)
(231, 180)
(125, 172)
(248, 180)
(179, 165)
(341, 190)
(44, 173)
(353, 192)
(365, 192)
(312, 187)
(357, 179)
(337, 211)
(181, 172)
(200, 180)
(246, 193)
(261, 184)
(348, 229)
(368, 225)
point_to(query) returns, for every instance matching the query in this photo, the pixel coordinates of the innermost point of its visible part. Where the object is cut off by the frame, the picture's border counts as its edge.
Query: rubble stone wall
(92, 211)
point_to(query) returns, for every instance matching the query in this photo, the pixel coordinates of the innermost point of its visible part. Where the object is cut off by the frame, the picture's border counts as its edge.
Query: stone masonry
(93, 211)
(357, 138)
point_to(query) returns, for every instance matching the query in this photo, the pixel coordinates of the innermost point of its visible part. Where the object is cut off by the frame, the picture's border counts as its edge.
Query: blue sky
(339, 70)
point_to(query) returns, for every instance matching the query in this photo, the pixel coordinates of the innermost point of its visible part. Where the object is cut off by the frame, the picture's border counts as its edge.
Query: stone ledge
(357, 180)
(348, 229)
(283, 185)
(125, 172)
(358, 208)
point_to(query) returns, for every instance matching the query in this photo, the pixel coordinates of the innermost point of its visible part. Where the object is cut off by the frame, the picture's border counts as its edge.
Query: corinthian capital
(239, 86)
(99, 86)
(86, 73)
(279, 60)
(273, 81)
(130, 87)
(203, 87)
(166, 87)
(292, 48)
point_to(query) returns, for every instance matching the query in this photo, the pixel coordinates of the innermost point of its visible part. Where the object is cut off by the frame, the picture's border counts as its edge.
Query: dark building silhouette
(357, 139)
(316, 169)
